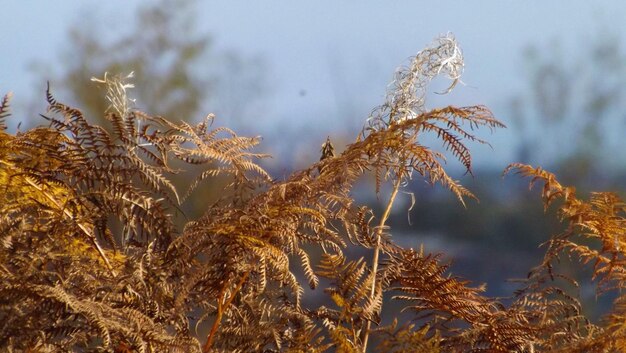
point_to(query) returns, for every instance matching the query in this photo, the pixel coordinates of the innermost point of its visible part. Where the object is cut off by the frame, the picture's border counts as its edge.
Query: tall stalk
(375, 260)
(222, 306)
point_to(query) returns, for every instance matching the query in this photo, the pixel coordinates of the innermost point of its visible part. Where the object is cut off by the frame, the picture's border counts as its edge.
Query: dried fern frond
(602, 219)
(467, 320)
(406, 97)
(349, 293)
(116, 92)
(88, 238)
(5, 107)
(62, 185)
(594, 234)
(407, 339)
(404, 110)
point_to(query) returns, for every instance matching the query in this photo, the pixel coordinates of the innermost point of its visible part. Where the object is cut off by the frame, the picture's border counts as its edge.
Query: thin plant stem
(375, 260)
(221, 306)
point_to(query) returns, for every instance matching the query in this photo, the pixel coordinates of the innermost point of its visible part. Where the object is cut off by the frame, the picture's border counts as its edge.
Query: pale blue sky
(342, 53)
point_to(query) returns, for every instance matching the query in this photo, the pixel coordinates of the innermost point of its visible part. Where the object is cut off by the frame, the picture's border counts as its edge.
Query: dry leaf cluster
(91, 258)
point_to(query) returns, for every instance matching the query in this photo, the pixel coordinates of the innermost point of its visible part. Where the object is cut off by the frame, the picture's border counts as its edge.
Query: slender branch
(379, 233)
(220, 310)
(216, 323)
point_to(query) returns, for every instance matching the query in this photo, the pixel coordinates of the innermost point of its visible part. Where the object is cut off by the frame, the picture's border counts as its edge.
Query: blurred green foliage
(180, 74)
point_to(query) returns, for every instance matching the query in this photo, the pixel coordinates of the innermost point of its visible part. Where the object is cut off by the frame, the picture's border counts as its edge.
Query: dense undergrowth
(92, 260)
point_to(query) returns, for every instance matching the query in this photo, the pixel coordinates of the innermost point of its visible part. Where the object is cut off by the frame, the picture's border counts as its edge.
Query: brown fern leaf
(445, 302)
(5, 107)
(552, 189)
(349, 291)
(407, 339)
(602, 220)
(92, 258)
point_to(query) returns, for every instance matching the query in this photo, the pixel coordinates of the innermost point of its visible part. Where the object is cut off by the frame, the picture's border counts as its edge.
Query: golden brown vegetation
(92, 260)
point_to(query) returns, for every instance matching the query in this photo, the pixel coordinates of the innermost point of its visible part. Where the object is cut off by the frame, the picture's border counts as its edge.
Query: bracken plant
(92, 259)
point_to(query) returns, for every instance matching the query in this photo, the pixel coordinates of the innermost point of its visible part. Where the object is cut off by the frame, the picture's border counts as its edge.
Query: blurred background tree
(572, 109)
(178, 74)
